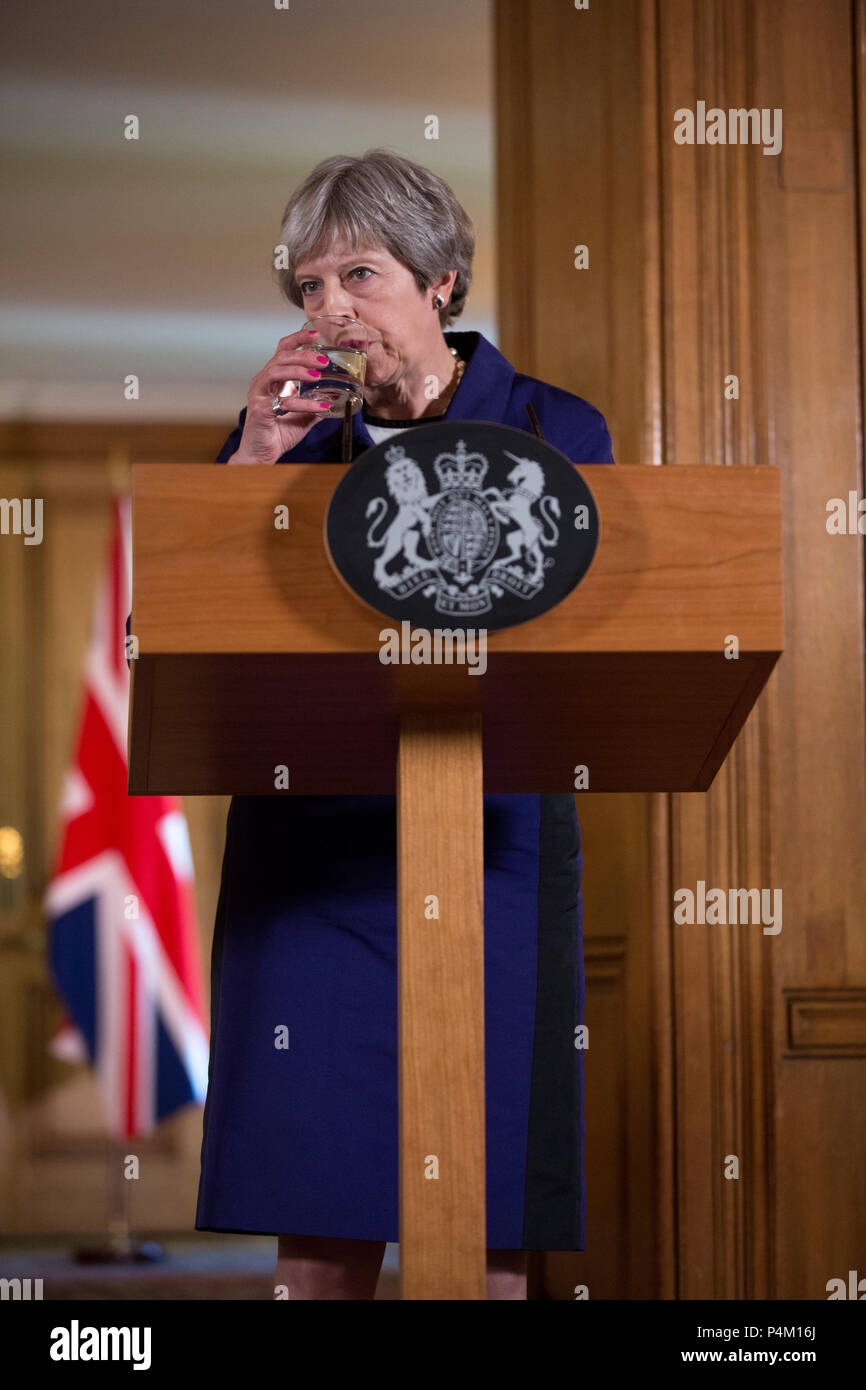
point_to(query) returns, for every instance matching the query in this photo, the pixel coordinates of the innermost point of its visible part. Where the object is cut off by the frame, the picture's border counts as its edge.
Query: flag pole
(118, 1200)
(119, 1247)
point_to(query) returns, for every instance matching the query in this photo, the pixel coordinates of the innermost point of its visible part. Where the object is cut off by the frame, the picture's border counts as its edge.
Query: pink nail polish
(320, 358)
(312, 332)
(313, 371)
(324, 405)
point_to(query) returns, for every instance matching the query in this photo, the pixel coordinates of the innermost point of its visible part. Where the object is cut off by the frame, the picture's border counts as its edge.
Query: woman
(302, 1142)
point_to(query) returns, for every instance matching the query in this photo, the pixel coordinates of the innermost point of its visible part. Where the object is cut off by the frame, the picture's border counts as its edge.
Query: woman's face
(370, 285)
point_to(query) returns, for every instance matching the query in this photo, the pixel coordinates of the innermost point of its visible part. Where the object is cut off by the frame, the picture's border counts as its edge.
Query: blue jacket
(490, 390)
(306, 928)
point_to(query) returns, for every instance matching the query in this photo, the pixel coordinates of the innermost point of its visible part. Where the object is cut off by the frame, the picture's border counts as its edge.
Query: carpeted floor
(203, 1266)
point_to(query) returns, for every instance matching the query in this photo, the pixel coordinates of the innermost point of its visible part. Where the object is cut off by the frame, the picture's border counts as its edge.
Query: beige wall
(154, 256)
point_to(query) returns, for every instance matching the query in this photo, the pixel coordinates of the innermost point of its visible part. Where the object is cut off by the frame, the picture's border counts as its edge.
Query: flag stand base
(119, 1250)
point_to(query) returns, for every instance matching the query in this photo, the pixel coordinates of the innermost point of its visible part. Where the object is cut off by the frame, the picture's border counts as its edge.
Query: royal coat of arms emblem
(470, 531)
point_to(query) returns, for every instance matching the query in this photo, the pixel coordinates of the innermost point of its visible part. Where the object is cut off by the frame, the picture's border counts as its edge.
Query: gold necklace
(459, 370)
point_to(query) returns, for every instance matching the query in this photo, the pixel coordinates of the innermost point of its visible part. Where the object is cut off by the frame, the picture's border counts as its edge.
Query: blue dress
(302, 1139)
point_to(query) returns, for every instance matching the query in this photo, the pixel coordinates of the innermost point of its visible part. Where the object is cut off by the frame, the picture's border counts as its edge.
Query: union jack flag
(123, 940)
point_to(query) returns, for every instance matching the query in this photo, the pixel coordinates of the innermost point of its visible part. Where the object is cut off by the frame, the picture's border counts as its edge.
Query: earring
(438, 302)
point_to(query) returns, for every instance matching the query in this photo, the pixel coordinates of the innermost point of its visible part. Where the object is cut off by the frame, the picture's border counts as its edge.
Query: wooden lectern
(253, 654)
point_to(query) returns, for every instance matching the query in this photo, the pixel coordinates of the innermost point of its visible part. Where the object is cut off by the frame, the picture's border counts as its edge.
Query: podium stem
(441, 1007)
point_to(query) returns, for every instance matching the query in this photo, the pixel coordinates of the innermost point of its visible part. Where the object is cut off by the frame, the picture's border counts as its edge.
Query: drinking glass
(344, 341)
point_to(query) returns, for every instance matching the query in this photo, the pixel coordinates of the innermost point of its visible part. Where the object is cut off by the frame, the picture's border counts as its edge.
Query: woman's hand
(267, 436)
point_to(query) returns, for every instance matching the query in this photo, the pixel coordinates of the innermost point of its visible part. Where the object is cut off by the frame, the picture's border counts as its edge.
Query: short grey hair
(381, 199)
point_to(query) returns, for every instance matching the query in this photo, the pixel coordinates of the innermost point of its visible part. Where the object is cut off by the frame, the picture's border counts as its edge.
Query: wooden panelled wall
(708, 1041)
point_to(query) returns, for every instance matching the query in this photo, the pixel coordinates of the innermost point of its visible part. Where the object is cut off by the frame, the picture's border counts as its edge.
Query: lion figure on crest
(406, 484)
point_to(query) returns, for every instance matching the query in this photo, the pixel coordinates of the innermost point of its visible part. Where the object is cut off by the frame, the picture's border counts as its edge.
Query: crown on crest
(460, 469)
